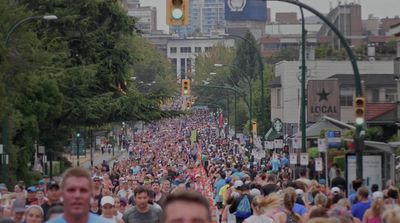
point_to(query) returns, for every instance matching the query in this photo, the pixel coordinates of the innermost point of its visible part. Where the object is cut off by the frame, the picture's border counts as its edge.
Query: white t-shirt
(258, 219)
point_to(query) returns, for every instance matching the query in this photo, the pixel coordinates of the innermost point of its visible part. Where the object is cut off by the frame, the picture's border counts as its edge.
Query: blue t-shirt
(284, 162)
(275, 164)
(220, 183)
(92, 219)
(299, 209)
(358, 210)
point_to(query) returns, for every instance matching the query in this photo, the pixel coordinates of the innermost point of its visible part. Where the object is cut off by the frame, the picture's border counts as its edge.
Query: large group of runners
(180, 170)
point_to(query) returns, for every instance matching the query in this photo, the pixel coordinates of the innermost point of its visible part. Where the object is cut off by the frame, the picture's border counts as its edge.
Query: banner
(322, 145)
(296, 143)
(319, 165)
(304, 159)
(323, 98)
(293, 159)
(278, 143)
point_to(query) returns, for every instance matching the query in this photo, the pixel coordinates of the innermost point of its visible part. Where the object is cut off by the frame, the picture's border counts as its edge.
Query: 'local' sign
(323, 98)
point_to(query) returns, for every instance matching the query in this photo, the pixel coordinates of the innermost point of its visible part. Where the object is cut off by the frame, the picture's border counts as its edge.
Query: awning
(272, 134)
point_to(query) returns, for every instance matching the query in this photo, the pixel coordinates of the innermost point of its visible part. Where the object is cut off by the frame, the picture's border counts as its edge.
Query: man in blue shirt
(76, 190)
(217, 186)
(363, 204)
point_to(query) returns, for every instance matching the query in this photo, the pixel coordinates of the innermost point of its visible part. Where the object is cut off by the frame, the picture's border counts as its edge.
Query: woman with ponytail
(287, 215)
(260, 206)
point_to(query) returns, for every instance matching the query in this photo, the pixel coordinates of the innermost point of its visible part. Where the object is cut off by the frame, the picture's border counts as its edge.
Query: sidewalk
(98, 157)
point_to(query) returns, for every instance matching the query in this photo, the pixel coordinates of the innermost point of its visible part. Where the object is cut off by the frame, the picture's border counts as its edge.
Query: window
(206, 49)
(278, 97)
(186, 50)
(375, 95)
(172, 50)
(183, 63)
(391, 95)
(197, 49)
(189, 65)
(173, 63)
(346, 97)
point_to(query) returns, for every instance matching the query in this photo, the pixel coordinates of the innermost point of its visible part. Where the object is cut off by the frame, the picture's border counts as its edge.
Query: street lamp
(45, 17)
(244, 76)
(5, 117)
(262, 98)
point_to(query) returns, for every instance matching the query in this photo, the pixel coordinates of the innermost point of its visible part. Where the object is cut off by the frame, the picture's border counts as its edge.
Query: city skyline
(368, 7)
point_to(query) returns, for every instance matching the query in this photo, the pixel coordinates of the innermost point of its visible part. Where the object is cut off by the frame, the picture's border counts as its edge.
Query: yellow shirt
(222, 193)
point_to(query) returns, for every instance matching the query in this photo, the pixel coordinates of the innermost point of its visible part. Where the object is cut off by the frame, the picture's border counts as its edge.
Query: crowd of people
(181, 170)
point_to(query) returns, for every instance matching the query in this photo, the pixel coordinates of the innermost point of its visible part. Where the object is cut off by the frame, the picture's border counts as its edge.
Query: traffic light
(254, 127)
(185, 87)
(188, 105)
(177, 12)
(359, 110)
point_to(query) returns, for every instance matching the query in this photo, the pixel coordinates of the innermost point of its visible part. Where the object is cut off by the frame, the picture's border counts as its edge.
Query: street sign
(269, 145)
(304, 159)
(322, 145)
(278, 143)
(319, 165)
(41, 150)
(296, 143)
(293, 158)
(333, 138)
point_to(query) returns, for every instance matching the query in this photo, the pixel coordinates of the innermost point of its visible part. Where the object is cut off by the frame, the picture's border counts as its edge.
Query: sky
(379, 8)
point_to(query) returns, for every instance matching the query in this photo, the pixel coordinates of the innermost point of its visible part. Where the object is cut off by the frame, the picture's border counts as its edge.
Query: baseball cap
(3, 187)
(19, 206)
(299, 192)
(228, 180)
(377, 195)
(107, 200)
(335, 190)
(238, 184)
(197, 175)
(53, 184)
(32, 189)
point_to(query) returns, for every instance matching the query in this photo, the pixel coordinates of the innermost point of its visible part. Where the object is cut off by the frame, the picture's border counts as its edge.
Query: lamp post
(4, 163)
(262, 98)
(303, 84)
(77, 148)
(244, 76)
(6, 115)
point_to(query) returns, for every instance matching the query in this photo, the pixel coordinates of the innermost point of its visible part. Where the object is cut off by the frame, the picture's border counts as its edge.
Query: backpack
(243, 210)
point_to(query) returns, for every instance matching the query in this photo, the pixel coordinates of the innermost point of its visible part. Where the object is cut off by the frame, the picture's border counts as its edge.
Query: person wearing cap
(125, 192)
(31, 198)
(244, 191)
(18, 210)
(338, 180)
(53, 197)
(217, 186)
(107, 209)
(197, 186)
(373, 214)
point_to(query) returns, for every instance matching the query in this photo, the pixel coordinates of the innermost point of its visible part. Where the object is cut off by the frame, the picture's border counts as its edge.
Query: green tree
(71, 73)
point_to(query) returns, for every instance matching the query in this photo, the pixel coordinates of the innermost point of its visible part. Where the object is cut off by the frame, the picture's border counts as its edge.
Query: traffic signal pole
(359, 144)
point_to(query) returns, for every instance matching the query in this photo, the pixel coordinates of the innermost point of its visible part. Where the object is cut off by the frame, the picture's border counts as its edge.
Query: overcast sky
(379, 8)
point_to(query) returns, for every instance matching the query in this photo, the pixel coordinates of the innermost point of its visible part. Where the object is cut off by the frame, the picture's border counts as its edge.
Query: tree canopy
(74, 72)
